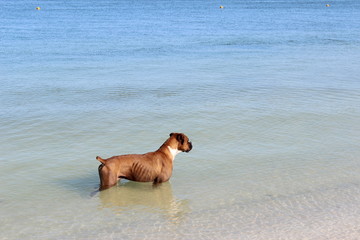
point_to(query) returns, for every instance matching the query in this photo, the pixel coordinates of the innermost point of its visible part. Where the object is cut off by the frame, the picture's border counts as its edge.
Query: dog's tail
(103, 161)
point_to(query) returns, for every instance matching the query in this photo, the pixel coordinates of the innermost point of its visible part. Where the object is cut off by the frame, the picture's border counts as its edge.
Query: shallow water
(268, 92)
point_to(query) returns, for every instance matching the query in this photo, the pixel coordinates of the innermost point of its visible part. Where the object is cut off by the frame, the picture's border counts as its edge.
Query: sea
(268, 91)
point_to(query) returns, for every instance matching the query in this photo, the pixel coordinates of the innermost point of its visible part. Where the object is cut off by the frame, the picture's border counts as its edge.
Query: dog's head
(183, 143)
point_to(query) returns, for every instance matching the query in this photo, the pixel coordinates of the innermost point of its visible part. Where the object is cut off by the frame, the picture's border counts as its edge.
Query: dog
(153, 167)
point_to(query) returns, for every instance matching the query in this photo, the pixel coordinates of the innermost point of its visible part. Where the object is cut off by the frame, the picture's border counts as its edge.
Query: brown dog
(153, 167)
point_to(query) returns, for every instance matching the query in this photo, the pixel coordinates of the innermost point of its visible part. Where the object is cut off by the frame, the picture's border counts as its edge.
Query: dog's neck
(173, 152)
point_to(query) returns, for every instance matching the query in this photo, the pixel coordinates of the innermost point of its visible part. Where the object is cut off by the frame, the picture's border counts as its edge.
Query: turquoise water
(268, 92)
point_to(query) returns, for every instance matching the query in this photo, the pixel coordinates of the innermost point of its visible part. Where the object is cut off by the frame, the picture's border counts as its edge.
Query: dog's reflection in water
(155, 199)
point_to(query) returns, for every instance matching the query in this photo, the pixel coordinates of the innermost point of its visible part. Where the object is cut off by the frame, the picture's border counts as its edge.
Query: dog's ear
(171, 134)
(180, 138)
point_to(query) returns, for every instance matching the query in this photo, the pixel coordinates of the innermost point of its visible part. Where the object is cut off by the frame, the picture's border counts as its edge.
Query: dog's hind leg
(99, 170)
(107, 177)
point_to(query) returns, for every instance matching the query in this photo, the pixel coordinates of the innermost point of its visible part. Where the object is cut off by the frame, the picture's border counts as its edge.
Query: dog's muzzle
(190, 147)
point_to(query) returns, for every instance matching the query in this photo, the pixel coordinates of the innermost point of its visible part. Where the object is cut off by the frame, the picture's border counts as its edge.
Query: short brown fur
(153, 167)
